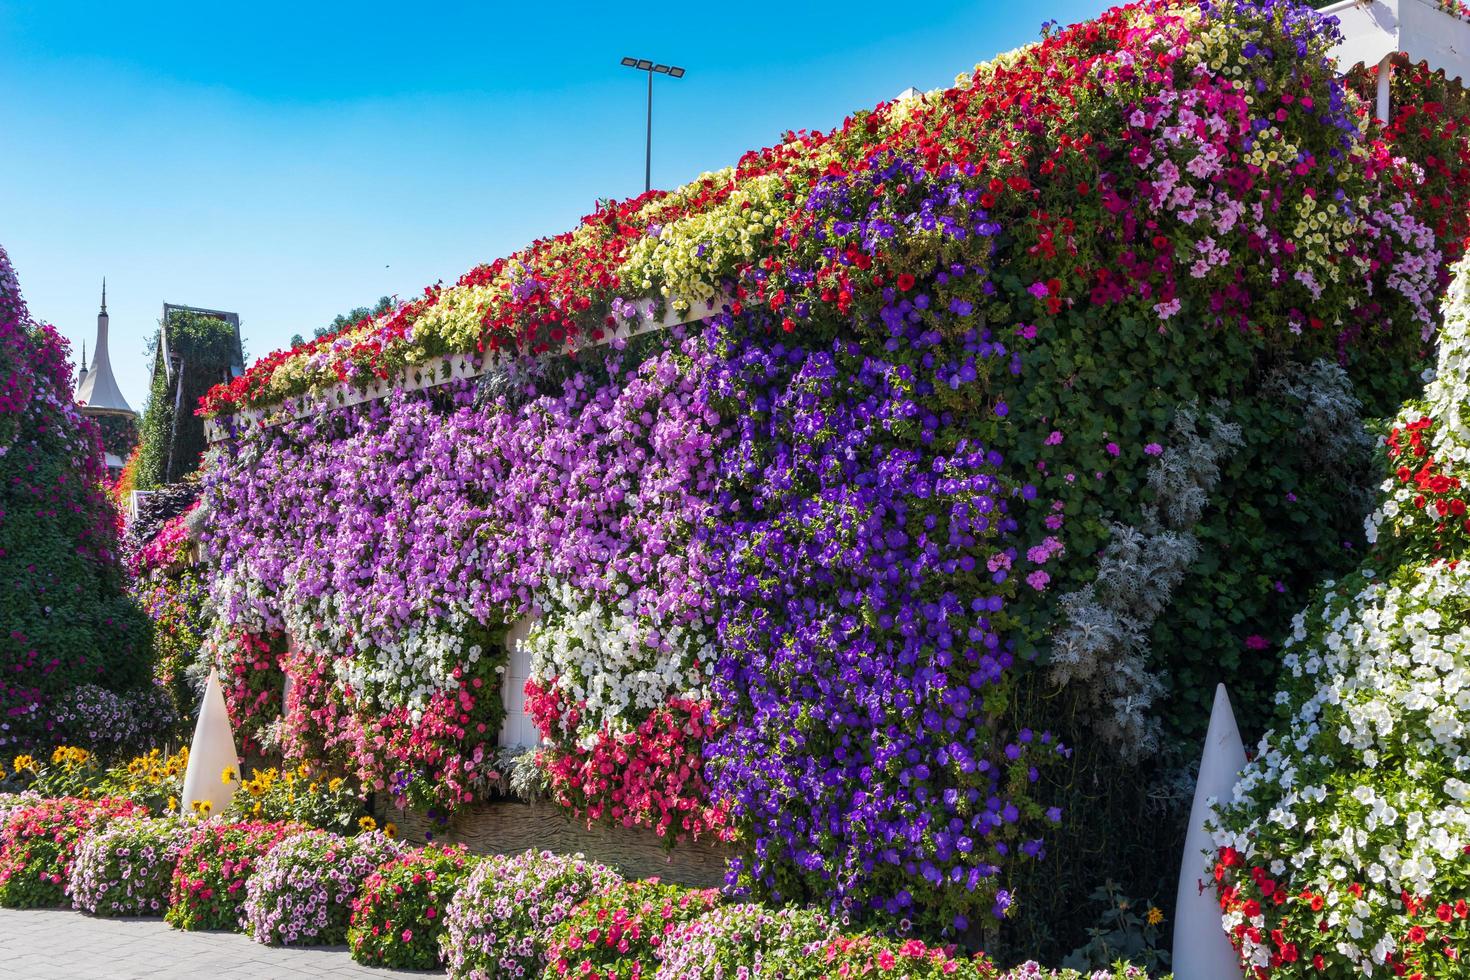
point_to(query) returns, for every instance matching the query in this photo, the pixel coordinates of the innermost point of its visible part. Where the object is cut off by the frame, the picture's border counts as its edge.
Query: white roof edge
(1375, 29)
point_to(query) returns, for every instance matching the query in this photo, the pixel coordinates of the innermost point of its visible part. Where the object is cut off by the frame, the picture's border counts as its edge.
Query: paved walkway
(52, 944)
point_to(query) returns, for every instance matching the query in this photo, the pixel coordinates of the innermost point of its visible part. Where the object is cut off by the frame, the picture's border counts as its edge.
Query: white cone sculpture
(211, 754)
(1202, 950)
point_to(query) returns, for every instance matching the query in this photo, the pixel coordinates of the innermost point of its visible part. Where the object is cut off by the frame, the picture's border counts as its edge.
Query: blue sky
(292, 161)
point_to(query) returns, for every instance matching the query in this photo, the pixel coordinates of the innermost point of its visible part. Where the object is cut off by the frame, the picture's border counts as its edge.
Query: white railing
(439, 371)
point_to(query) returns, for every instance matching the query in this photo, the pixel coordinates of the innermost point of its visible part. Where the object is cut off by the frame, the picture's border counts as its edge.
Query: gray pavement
(53, 944)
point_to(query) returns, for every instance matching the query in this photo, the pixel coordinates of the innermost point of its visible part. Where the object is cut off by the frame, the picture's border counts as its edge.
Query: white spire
(98, 389)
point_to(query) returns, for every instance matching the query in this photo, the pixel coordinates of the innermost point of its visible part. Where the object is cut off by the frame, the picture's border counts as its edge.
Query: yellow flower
(335, 784)
(22, 762)
(311, 788)
(1155, 915)
(390, 830)
(228, 775)
(173, 803)
(367, 823)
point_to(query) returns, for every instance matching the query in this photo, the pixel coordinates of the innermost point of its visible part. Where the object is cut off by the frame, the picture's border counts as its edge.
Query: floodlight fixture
(673, 71)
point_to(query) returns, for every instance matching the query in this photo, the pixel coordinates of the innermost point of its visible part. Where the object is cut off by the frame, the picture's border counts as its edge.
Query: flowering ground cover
(126, 867)
(214, 865)
(398, 918)
(617, 934)
(38, 845)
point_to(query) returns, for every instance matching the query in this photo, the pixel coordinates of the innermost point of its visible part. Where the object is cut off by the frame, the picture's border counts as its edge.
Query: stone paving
(53, 944)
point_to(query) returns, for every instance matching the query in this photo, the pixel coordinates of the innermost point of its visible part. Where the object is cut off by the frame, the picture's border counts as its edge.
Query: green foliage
(343, 320)
(1126, 930)
(202, 348)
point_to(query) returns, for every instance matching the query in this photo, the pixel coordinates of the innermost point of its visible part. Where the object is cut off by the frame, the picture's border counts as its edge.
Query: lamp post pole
(673, 71)
(648, 141)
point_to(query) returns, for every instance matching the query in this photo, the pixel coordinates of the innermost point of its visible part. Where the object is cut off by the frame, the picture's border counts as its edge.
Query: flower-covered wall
(1029, 409)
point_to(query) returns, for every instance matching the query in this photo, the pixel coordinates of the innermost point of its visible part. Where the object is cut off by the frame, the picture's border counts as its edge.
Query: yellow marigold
(334, 784)
(366, 824)
(1155, 915)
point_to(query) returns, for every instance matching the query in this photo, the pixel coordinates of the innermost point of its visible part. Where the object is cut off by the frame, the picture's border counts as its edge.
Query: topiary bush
(302, 892)
(618, 934)
(1346, 851)
(498, 922)
(398, 918)
(126, 866)
(38, 845)
(66, 619)
(746, 941)
(208, 886)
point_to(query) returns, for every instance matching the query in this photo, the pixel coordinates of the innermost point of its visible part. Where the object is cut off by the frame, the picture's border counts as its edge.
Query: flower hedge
(302, 892)
(745, 941)
(208, 887)
(398, 918)
(126, 867)
(497, 923)
(38, 846)
(618, 933)
(1018, 414)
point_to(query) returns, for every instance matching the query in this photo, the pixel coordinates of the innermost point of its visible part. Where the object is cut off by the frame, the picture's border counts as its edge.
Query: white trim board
(439, 371)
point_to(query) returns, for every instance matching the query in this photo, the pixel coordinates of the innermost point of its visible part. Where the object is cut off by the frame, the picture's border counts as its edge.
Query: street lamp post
(643, 64)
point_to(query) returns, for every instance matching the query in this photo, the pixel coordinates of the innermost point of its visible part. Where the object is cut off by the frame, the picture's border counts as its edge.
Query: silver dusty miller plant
(1102, 643)
(1331, 433)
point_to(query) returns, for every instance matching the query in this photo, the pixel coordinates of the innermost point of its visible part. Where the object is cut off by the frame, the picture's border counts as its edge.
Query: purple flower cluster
(862, 628)
(302, 892)
(393, 542)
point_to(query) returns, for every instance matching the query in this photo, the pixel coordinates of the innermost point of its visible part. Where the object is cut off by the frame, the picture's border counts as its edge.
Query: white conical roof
(98, 390)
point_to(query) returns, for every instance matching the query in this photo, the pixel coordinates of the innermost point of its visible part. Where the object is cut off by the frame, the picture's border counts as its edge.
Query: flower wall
(64, 618)
(394, 545)
(1030, 408)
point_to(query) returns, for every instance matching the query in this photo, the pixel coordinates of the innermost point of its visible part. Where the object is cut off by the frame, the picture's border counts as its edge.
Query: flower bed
(302, 892)
(497, 923)
(38, 845)
(126, 867)
(208, 887)
(398, 919)
(745, 941)
(617, 934)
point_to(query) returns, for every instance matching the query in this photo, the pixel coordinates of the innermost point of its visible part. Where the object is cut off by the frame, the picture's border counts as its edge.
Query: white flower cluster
(614, 666)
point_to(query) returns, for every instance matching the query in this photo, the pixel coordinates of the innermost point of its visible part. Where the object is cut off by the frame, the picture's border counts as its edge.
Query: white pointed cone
(1202, 950)
(211, 754)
